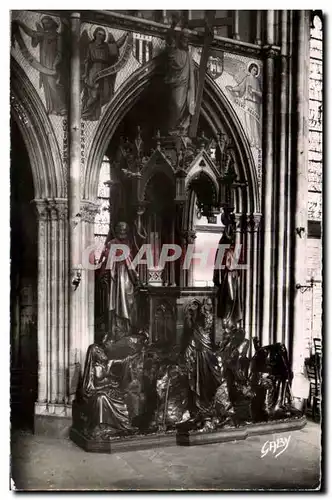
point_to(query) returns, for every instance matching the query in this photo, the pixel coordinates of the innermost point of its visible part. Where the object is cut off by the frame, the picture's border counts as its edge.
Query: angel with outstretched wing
(247, 94)
(100, 59)
(52, 61)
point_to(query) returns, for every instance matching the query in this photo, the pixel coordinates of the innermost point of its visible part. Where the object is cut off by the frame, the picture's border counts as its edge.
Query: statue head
(98, 354)
(184, 39)
(208, 306)
(49, 24)
(121, 230)
(170, 40)
(257, 343)
(99, 35)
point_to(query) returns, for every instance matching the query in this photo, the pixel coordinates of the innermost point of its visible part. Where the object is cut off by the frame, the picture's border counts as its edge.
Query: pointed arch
(156, 164)
(216, 110)
(37, 132)
(208, 169)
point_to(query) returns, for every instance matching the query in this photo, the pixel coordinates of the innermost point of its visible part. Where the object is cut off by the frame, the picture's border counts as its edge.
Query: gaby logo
(275, 445)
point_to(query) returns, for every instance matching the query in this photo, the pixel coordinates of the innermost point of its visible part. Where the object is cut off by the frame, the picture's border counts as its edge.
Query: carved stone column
(74, 196)
(85, 290)
(247, 235)
(258, 39)
(188, 237)
(236, 21)
(284, 107)
(268, 183)
(300, 169)
(53, 342)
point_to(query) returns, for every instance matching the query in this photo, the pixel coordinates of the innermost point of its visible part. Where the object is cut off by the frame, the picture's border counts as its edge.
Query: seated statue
(103, 402)
(102, 407)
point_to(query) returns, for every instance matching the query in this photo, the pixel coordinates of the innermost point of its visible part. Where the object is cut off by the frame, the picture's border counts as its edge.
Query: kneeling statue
(102, 408)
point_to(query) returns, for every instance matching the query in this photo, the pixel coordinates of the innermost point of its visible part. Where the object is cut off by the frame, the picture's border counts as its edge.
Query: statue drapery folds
(202, 365)
(227, 277)
(123, 280)
(180, 80)
(101, 390)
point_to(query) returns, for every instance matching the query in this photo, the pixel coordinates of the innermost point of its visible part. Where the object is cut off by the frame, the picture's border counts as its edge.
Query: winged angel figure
(247, 94)
(100, 62)
(53, 62)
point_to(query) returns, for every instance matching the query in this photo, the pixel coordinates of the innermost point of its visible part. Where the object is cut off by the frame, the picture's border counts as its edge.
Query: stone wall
(313, 297)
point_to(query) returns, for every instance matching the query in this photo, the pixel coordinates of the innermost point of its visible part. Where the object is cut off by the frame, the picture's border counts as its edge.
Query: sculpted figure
(271, 376)
(172, 396)
(227, 281)
(180, 81)
(232, 353)
(202, 365)
(102, 393)
(122, 285)
(110, 398)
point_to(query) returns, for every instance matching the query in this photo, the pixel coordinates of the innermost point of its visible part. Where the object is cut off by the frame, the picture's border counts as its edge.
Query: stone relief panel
(240, 79)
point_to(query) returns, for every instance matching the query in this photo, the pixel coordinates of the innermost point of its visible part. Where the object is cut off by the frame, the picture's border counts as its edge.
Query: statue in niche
(227, 280)
(123, 280)
(53, 65)
(248, 95)
(203, 371)
(180, 81)
(101, 61)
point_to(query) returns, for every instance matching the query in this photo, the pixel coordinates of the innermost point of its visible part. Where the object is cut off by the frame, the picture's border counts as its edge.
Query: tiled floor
(40, 463)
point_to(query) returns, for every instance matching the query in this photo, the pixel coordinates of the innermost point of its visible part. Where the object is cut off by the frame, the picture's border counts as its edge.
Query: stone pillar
(236, 34)
(268, 183)
(281, 333)
(86, 288)
(258, 40)
(251, 291)
(74, 194)
(300, 166)
(188, 237)
(53, 342)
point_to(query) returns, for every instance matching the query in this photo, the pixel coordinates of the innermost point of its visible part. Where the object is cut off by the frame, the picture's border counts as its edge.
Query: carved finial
(139, 141)
(158, 142)
(179, 159)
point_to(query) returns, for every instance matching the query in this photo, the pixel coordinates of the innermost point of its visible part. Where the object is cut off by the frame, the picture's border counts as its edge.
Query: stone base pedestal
(239, 433)
(52, 420)
(159, 440)
(118, 445)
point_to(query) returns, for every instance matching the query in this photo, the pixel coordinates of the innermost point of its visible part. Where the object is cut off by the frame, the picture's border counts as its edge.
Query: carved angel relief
(101, 59)
(247, 94)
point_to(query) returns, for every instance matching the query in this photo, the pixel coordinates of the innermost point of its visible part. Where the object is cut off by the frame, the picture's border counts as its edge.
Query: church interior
(166, 225)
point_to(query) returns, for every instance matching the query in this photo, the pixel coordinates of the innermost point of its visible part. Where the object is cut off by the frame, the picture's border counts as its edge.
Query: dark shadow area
(23, 284)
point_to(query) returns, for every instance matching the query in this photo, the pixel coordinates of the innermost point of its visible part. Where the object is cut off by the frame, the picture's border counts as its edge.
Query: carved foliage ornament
(51, 209)
(247, 222)
(19, 109)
